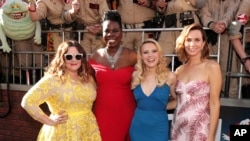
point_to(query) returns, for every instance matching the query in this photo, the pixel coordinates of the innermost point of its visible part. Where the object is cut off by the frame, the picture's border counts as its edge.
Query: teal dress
(150, 120)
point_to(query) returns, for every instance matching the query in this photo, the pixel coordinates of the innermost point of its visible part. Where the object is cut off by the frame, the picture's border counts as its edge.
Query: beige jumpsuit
(133, 16)
(244, 8)
(53, 11)
(167, 38)
(91, 13)
(223, 10)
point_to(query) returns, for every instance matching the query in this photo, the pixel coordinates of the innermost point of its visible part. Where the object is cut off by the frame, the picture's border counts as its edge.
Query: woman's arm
(173, 98)
(36, 96)
(215, 80)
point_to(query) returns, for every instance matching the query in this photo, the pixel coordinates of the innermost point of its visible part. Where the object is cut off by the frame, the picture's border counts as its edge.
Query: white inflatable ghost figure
(16, 24)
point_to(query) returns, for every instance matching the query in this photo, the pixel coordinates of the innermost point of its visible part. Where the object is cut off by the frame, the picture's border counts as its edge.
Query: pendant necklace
(112, 60)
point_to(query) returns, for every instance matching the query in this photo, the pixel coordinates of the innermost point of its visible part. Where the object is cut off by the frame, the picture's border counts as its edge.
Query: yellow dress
(72, 96)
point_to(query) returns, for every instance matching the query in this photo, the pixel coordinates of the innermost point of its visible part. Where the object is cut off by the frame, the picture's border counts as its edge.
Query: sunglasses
(70, 56)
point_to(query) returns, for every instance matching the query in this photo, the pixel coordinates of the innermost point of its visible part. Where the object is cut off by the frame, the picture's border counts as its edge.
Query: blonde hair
(162, 71)
(57, 65)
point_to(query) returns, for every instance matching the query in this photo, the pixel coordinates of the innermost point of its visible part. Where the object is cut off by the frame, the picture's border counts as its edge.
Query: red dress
(115, 104)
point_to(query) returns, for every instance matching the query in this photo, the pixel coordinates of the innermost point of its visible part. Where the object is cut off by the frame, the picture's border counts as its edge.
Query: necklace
(112, 60)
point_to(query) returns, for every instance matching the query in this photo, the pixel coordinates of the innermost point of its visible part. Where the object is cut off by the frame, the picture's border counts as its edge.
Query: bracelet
(243, 60)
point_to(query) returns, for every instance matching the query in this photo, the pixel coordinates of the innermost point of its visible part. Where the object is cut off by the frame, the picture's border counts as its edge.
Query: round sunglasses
(70, 56)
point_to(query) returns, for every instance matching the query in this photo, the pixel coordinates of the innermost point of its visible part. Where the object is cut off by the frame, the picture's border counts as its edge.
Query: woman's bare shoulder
(128, 50)
(179, 69)
(212, 64)
(97, 54)
(172, 76)
(130, 55)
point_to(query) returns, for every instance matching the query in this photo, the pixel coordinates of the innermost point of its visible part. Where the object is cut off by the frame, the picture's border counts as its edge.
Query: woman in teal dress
(153, 85)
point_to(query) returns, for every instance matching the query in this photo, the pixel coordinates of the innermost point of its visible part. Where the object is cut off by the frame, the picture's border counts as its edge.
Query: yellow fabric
(72, 96)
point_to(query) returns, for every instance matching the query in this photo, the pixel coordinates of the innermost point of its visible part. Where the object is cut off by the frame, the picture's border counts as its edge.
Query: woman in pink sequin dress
(198, 88)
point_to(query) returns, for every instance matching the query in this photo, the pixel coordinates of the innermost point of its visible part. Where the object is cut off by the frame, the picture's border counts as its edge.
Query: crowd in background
(132, 111)
(87, 15)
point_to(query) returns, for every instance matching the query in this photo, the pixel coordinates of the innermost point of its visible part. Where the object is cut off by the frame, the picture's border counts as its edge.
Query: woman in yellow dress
(69, 91)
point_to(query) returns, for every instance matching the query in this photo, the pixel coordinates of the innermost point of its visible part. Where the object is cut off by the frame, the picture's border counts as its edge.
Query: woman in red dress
(115, 104)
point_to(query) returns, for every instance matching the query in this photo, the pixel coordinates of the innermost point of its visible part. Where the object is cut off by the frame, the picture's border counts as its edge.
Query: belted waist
(76, 113)
(185, 18)
(132, 26)
(184, 15)
(60, 26)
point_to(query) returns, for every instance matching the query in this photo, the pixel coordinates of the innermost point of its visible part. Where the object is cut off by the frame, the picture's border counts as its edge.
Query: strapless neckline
(192, 81)
(93, 62)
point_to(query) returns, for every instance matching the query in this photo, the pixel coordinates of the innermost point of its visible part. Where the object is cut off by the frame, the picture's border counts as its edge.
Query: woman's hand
(59, 118)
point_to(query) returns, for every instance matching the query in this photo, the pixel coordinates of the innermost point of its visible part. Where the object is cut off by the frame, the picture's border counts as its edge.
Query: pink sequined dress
(191, 117)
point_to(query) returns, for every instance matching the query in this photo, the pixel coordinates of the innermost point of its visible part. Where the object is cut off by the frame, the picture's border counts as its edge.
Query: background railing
(21, 77)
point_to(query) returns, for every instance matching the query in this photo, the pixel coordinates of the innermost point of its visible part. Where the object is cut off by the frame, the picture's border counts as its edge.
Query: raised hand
(75, 8)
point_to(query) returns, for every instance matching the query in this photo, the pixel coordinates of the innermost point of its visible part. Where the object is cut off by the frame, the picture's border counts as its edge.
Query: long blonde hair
(162, 71)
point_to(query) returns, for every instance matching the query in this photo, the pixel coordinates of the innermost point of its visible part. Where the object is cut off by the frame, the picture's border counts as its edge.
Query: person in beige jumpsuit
(217, 15)
(236, 36)
(133, 17)
(244, 8)
(176, 9)
(236, 39)
(90, 16)
(53, 11)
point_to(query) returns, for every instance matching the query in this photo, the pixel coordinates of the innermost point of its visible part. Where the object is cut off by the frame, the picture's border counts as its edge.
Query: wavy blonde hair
(57, 65)
(162, 71)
